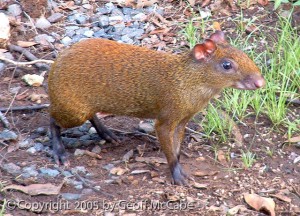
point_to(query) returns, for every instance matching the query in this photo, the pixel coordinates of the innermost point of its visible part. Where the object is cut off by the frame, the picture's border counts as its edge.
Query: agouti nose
(260, 82)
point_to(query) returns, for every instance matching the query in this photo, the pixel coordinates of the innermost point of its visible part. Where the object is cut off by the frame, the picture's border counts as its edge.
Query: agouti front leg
(103, 132)
(165, 131)
(59, 152)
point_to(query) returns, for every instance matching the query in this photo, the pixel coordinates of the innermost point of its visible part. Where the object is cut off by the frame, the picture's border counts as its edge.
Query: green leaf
(297, 3)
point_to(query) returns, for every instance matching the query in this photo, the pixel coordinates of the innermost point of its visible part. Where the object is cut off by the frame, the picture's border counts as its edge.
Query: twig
(196, 132)
(4, 120)
(30, 20)
(84, 182)
(134, 133)
(12, 101)
(29, 56)
(19, 108)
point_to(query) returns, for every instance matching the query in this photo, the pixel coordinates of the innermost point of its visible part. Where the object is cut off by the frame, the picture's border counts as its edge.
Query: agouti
(97, 75)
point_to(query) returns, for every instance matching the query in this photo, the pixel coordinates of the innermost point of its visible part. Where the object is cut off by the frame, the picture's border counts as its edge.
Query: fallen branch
(34, 60)
(20, 108)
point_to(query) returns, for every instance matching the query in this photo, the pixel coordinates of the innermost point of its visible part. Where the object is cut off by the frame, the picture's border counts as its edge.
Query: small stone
(110, 6)
(92, 130)
(78, 2)
(146, 126)
(15, 9)
(67, 173)
(108, 167)
(2, 66)
(8, 55)
(31, 150)
(26, 143)
(66, 41)
(115, 19)
(80, 19)
(85, 137)
(49, 172)
(79, 152)
(30, 171)
(55, 17)
(84, 128)
(8, 135)
(43, 37)
(42, 23)
(140, 17)
(87, 6)
(41, 131)
(297, 159)
(78, 187)
(39, 147)
(88, 33)
(12, 168)
(100, 34)
(116, 12)
(71, 28)
(70, 181)
(87, 191)
(103, 10)
(70, 196)
(78, 169)
(96, 149)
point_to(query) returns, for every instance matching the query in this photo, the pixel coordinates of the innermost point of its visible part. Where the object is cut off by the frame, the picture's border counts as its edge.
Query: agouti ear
(205, 50)
(218, 37)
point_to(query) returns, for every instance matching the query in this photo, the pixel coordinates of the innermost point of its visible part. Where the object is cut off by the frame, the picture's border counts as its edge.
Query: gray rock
(80, 19)
(103, 21)
(139, 17)
(96, 149)
(146, 126)
(130, 11)
(42, 23)
(67, 173)
(87, 6)
(26, 143)
(8, 135)
(115, 19)
(92, 130)
(126, 39)
(71, 142)
(100, 34)
(30, 171)
(87, 191)
(127, 18)
(2, 66)
(117, 12)
(70, 181)
(8, 55)
(49, 172)
(70, 196)
(88, 33)
(81, 30)
(110, 6)
(41, 131)
(39, 147)
(42, 37)
(66, 41)
(79, 152)
(78, 169)
(70, 33)
(118, 28)
(15, 9)
(108, 167)
(78, 187)
(55, 17)
(77, 38)
(87, 142)
(103, 11)
(84, 128)
(85, 137)
(77, 2)
(12, 168)
(69, 28)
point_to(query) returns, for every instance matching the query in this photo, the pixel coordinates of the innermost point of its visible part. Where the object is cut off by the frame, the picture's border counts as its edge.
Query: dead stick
(4, 120)
(20, 108)
(30, 56)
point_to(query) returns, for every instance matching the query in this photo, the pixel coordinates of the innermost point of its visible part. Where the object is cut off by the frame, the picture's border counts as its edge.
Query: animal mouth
(250, 83)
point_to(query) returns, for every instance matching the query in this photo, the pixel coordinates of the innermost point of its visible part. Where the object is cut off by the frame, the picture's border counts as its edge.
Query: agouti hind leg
(165, 132)
(59, 152)
(103, 132)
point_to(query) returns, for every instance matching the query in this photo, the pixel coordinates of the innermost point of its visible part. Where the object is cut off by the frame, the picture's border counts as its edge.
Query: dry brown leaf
(263, 2)
(200, 186)
(293, 139)
(281, 197)
(192, 2)
(37, 189)
(251, 29)
(260, 203)
(117, 171)
(26, 44)
(205, 3)
(205, 173)
(221, 157)
(247, 4)
(217, 26)
(151, 160)
(172, 197)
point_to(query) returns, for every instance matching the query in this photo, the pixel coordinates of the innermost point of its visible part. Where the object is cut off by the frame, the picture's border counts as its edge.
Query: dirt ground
(224, 184)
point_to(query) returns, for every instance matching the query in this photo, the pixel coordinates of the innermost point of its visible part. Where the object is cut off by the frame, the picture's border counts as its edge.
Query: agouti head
(227, 66)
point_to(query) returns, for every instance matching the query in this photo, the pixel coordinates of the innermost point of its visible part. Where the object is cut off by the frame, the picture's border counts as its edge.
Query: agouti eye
(227, 65)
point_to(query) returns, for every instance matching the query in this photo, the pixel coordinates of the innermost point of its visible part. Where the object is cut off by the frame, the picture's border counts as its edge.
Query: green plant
(2, 210)
(248, 159)
(190, 33)
(269, 152)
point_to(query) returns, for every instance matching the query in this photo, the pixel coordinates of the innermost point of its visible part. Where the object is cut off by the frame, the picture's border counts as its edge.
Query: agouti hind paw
(63, 158)
(179, 176)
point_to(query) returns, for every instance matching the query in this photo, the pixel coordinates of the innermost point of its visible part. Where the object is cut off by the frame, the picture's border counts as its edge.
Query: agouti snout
(97, 75)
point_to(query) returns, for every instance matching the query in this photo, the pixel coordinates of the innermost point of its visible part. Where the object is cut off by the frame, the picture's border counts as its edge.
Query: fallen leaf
(127, 156)
(135, 172)
(205, 173)
(293, 139)
(172, 197)
(205, 3)
(151, 160)
(250, 29)
(26, 44)
(192, 2)
(217, 26)
(117, 171)
(236, 209)
(221, 157)
(33, 79)
(37, 189)
(263, 2)
(281, 197)
(200, 186)
(260, 203)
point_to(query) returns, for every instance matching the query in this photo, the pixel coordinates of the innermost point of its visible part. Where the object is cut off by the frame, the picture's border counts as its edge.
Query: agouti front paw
(179, 176)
